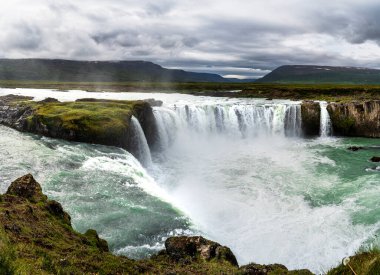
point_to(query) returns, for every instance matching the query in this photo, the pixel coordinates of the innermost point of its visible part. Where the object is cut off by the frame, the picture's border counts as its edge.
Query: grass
(92, 117)
(365, 263)
(328, 92)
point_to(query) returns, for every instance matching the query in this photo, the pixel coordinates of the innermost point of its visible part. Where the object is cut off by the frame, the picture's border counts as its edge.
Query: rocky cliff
(36, 237)
(356, 118)
(311, 113)
(105, 122)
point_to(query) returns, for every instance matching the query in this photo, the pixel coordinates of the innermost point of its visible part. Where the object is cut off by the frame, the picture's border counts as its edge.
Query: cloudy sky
(245, 38)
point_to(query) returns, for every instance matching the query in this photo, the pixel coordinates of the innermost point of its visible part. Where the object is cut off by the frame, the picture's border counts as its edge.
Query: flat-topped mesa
(105, 122)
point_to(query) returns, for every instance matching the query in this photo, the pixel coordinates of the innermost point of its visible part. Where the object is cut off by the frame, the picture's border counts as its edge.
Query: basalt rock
(97, 121)
(355, 148)
(257, 269)
(356, 118)
(198, 247)
(144, 114)
(26, 187)
(375, 159)
(311, 113)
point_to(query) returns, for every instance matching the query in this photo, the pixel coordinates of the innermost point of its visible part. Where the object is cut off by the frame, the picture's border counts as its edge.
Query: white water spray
(325, 128)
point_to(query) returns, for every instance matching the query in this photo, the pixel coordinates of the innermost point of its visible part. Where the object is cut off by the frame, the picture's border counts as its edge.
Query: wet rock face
(27, 187)
(13, 114)
(144, 114)
(181, 247)
(356, 118)
(311, 113)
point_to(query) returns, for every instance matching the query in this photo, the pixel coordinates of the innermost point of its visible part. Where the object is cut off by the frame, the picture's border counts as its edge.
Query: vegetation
(328, 92)
(87, 120)
(102, 119)
(365, 263)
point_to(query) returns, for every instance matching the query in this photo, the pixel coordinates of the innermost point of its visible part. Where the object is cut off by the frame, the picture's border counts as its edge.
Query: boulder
(355, 148)
(257, 269)
(27, 187)
(375, 159)
(181, 247)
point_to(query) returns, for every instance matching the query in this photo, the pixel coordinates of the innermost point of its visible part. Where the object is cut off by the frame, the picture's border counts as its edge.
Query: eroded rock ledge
(355, 119)
(105, 122)
(36, 237)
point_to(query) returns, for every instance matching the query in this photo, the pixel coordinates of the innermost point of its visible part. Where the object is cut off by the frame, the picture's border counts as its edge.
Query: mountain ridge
(63, 70)
(315, 74)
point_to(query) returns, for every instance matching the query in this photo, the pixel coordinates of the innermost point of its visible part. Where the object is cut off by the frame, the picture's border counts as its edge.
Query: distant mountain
(98, 71)
(322, 74)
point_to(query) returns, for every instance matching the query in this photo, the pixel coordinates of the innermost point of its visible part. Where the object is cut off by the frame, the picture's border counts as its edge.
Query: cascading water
(325, 121)
(231, 120)
(139, 141)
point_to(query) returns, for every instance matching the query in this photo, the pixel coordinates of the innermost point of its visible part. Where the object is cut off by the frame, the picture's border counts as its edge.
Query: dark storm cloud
(238, 38)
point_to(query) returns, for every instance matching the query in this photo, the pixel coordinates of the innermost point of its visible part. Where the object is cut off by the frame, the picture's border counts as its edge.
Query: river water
(237, 171)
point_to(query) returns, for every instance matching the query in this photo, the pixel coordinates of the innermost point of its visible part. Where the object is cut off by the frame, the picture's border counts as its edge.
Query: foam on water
(253, 198)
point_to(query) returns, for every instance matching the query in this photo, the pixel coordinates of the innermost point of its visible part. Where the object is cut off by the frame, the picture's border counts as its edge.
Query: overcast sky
(246, 38)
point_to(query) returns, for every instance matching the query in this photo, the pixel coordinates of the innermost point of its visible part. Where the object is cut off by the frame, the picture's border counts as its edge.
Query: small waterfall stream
(325, 121)
(139, 139)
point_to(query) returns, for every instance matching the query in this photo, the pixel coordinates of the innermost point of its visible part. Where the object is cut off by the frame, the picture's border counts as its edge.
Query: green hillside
(96, 71)
(322, 74)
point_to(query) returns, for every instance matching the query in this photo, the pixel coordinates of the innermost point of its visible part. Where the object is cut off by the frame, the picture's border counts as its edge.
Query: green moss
(93, 121)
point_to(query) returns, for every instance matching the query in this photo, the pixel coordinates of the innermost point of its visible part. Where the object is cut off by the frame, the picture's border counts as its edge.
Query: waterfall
(325, 122)
(293, 121)
(139, 141)
(234, 120)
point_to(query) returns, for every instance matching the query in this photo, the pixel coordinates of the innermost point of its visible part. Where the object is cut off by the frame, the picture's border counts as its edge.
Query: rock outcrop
(311, 113)
(359, 119)
(375, 159)
(95, 121)
(13, 113)
(198, 247)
